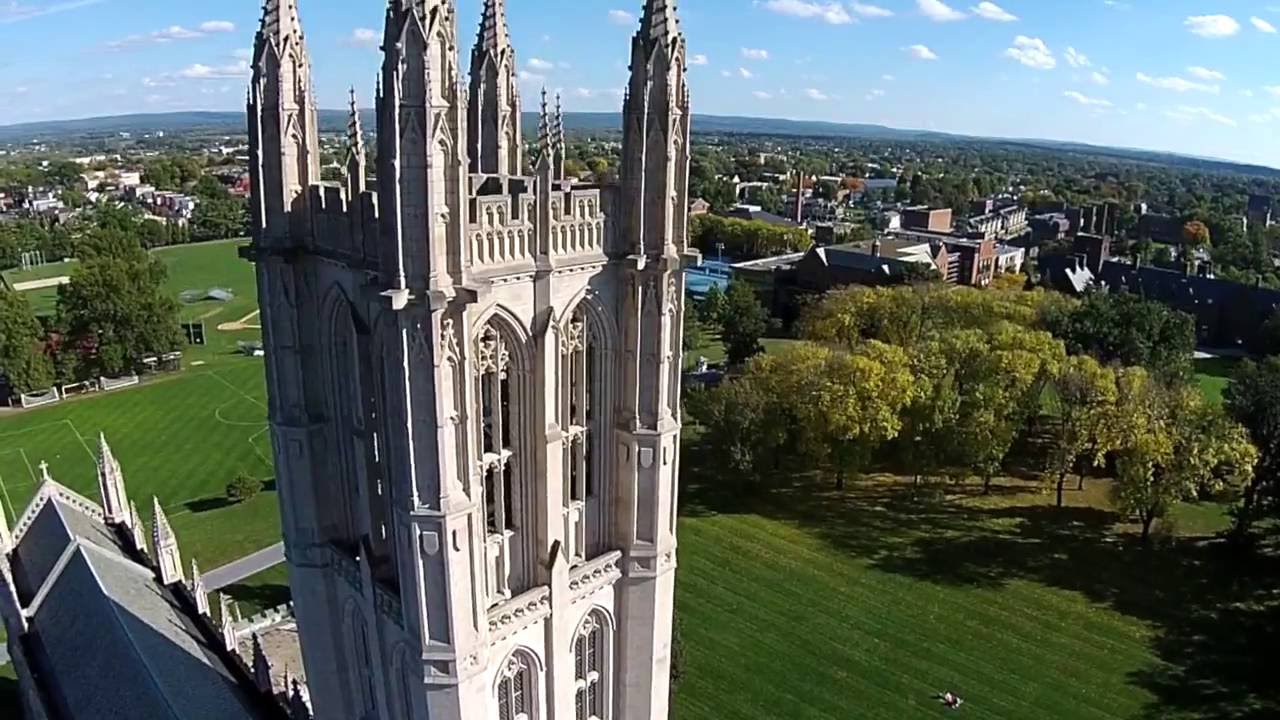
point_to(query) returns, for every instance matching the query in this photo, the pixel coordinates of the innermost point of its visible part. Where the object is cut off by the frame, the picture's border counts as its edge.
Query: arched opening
(365, 692)
(592, 667)
(584, 420)
(501, 383)
(517, 688)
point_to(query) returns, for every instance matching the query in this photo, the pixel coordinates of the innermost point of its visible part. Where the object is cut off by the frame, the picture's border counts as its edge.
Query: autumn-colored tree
(1081, 406)
(1172, 445)
(1195, 236)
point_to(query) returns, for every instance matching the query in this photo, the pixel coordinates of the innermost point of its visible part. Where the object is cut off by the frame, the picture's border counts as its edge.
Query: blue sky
(1192, 76)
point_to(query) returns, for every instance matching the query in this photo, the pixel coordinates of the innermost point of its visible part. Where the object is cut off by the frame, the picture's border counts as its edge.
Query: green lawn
(199, 266)
(1213, 376)
(180, 438)
(267, 589)
(807, 603)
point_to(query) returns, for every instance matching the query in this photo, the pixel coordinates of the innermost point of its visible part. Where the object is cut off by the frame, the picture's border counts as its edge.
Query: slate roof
(106, 639)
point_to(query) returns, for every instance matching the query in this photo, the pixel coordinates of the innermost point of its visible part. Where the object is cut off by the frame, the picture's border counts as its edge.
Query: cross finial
(44, 471)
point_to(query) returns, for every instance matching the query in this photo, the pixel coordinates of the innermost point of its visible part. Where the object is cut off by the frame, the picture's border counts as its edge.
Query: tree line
(940, 382)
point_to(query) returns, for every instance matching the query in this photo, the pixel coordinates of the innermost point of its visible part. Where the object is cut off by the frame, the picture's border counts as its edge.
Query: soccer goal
(109, 384)
(36, 399)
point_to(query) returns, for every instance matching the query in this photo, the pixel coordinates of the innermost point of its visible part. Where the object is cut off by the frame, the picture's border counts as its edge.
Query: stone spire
(137, 531)
(115, 502)
(165, 543)
(198, 593)
(544, 133)
(558, 149)
(261, 667)
(658, 22)
(284, 132)
(493, 126)
(355, 151)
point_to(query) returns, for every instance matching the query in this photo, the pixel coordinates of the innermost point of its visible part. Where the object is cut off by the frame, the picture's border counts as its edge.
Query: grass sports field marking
(83, 443)
(242, 393)
(13, 516)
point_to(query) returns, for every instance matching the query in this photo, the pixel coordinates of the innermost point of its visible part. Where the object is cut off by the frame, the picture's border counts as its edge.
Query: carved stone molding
(519, 613)
(590, 577)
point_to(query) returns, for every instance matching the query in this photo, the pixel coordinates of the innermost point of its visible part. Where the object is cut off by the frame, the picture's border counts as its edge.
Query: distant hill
(232, 123)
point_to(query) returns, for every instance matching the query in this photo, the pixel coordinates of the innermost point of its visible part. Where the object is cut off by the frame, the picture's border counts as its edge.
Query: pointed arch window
(590, 662)
(580, 419)
(500, 465)
(516, 699)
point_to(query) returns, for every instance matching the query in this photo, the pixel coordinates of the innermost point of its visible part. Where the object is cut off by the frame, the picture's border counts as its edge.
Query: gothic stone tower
(474, 381)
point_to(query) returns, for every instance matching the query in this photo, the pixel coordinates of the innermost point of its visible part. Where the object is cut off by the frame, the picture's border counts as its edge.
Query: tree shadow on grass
(208, 504)
(1216, 614)
(256, 598)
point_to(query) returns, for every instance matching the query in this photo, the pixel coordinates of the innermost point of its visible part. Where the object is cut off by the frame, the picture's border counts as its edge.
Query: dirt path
(242, 323)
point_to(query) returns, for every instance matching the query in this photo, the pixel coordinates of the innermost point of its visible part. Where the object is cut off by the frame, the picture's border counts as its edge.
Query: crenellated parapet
(342, 228)
(503, 230)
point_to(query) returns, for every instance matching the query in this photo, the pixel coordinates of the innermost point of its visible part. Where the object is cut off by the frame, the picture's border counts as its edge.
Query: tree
(743, 322)
(695, 336)
(1171, 446)
(22, 356)
(1081, 409)
(1196, 236)
(1125, 328)
(1253, 400)
(742, 426)
(712, 307)
(243, 488)
(843, 405)
(115, 311)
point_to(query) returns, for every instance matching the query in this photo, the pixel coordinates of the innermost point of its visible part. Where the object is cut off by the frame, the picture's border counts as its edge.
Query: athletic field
(180, 438)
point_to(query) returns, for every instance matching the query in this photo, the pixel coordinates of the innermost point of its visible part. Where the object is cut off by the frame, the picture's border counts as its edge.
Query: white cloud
(1202, 73)
(12, 11)
(816, 94)
(1212, 26)
(1177, 84)
(992, 11)
(540, 65)
(832, 13)
(875, 93)
(217, 26)
(887, 78)
(745, 74)
(725, 73)
(200, 71)
(362, 37)
(938, 11)
(761, 95)
(242, 54)
(167, 35)
(583, 92)
(870, 11)
(1076, 59)
(526, 76)
(1099, 78)
(1085, 99)
(1269, 116)
(621, 17)
(755, 54)
(1031, 52)
(1187, 113)
(698, 59)
(1273, 89)
(921, 52)
(1263, 25)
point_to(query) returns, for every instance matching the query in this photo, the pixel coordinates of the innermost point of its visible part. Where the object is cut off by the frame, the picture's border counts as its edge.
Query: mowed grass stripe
(898, 659)
(978, 618)
(963, 619)
(1073, 615)
(719, 541)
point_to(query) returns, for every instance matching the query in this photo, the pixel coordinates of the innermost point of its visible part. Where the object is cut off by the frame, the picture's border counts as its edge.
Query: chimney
(799, 218)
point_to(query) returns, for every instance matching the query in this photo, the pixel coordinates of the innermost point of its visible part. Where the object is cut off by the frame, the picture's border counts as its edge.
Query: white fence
(36, 399)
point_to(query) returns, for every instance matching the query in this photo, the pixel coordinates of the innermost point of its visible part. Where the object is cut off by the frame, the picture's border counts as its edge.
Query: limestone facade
(474, 380)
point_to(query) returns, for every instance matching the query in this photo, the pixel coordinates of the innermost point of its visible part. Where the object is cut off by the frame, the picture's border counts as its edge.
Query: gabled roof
(106, 638)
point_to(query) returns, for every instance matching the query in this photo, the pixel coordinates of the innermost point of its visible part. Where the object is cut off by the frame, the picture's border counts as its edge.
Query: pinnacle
(494, 35)
(659, 20)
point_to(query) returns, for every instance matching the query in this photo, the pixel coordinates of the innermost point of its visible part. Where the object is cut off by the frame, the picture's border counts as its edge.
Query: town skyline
(1178, 77)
